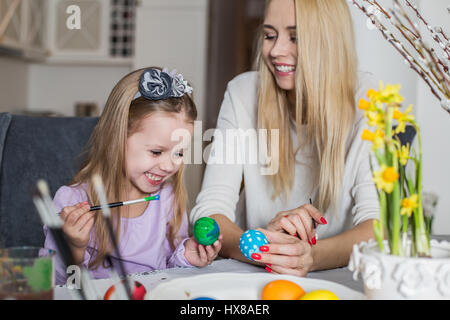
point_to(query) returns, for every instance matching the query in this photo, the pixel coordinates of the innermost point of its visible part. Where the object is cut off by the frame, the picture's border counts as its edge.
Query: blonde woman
(304, 95)
(131, 149)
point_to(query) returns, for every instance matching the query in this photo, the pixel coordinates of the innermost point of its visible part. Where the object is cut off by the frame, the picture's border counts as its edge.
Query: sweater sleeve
(365, 198)
(177, 258)
(65, 196)
(222, 178)
(366, 205)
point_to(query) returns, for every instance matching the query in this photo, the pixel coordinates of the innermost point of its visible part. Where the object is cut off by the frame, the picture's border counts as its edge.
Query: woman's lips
(284, 69)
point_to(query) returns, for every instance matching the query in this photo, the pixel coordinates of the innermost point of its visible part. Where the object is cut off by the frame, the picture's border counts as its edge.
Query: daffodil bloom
(364, 105)
(385, 178)
(375, 119)
(408, 205)
(403, 118)
(389, 94)
(403, 154)
(377, 138)
(372, 94)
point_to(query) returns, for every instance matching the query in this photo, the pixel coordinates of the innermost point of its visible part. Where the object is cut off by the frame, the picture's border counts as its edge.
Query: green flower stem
(394, 213)
(388, 134)
(379, 234)
(394, 197)
(422, 238)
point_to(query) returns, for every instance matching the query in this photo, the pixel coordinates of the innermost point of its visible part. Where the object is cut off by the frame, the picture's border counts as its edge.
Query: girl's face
(279, 48)
(153, 155)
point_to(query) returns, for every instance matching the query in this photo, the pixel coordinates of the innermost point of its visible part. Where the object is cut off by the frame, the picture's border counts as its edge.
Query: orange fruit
(282, 290)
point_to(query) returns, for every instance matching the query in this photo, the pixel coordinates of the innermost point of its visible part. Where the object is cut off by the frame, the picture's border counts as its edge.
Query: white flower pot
(389, 277)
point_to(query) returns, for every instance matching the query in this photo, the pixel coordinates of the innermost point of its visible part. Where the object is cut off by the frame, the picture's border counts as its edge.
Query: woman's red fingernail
(286, 216)
(313, 240)
(268, 269)
(264, 248)
(322, 219)
(256, 256)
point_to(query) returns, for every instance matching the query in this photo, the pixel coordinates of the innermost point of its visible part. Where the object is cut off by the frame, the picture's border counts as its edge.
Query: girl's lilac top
(143, 243)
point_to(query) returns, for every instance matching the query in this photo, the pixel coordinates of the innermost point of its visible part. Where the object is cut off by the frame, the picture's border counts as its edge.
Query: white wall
(379, 57)
(45, 87)
(435, 126)
(60, 87)
(376, 55)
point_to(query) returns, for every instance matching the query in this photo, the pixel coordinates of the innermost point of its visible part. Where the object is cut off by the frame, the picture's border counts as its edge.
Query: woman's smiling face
(155, 152)
(279, 48)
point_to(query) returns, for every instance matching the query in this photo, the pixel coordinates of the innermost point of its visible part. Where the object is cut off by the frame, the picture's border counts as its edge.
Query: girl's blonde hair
(325, 83)
(106, 155)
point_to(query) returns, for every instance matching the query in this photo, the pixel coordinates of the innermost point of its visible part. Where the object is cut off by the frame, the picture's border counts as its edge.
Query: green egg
(206, 231)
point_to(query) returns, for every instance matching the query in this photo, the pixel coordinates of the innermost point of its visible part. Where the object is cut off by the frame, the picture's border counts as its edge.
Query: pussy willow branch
(434, 33)
(430, 67)
(427, 54)
(434, 36)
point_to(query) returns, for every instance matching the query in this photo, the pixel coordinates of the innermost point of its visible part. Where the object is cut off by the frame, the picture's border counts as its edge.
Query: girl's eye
(268, 36)
(155, 152)
(294, 38)
(179, 154)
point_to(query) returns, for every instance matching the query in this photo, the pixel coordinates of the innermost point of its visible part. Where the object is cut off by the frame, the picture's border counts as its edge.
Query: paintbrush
(98, 186)
(314, 223)
(46, 210)
(125, 203)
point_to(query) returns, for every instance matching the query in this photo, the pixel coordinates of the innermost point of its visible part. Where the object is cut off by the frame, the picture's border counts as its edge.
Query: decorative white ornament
(444, 281)
(412, 278)
(387, 276)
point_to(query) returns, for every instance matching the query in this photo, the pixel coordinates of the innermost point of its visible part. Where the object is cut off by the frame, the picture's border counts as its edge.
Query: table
(151, 279)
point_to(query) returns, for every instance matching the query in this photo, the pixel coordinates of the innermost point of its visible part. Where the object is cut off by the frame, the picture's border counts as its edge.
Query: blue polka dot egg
(250, 242)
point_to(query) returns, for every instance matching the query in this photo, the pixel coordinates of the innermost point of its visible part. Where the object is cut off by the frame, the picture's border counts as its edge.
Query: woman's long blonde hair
(326, 78)
(106, 156)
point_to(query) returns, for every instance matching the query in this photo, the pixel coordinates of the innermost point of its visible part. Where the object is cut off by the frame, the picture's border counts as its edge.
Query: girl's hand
(78, 222)
(199, 255)
(298, 221)
(285, 254)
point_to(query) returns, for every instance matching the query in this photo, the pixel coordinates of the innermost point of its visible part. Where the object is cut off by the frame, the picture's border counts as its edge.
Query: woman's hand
(299, 221)
(285, 254)
(199, 255)
(78, 222)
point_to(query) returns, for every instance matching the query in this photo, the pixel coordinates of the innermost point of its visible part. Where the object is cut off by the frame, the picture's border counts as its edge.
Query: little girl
(132, 150)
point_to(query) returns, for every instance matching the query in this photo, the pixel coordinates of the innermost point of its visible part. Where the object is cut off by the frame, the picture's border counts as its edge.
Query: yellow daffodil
(385, 178)
(377, 138)
(364, 105)
(403, 119)
(389, 94)
(403, 154)
(375, 119)
(408, 205)
(372, 94)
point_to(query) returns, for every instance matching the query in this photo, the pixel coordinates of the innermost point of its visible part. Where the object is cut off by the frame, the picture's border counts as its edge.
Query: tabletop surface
(151, 279)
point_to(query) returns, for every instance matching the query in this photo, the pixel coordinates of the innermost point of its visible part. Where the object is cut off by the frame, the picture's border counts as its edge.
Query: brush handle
(66, 253)
(110, 205)
(125, 203)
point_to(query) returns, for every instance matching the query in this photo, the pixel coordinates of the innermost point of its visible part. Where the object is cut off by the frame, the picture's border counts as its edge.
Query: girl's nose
(280, 47)
(167, 164)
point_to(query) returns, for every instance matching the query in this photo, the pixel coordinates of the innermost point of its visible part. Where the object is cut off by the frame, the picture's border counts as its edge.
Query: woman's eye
(155, 152)
(269, 36)
(179, 154)
(294, 38)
